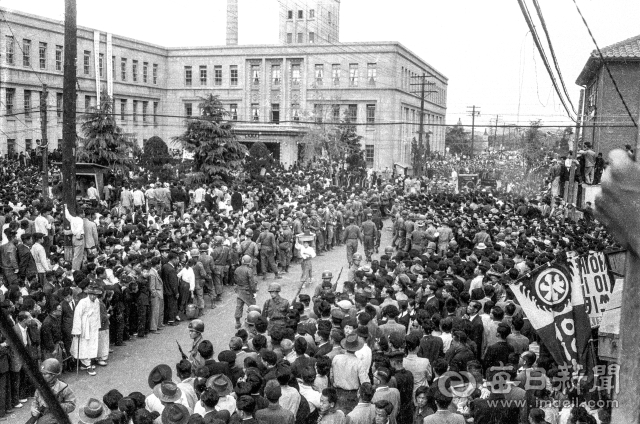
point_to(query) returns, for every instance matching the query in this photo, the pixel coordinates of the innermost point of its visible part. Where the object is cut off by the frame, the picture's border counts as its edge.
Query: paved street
(129, 366)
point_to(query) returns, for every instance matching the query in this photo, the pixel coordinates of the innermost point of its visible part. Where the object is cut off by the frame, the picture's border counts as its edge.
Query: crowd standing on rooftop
(376, 346)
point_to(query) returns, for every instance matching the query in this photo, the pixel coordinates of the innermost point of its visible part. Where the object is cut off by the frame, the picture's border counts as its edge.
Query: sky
(483, 46)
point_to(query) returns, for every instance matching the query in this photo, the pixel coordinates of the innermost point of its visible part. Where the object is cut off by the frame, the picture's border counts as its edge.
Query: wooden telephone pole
(423, 83)
(475, 111)
(69, 107)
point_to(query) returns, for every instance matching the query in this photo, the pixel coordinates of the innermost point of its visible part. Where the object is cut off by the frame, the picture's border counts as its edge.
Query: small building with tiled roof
(607, 124)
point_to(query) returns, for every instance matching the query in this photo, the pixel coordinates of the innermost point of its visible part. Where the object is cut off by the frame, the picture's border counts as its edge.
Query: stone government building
(269, 89)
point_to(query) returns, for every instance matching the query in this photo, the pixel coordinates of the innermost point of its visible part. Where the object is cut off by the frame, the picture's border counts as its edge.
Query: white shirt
(41, 225)
(306, 252)
(198, 195)
(77, 224)
(152, 403)
(365, 356)
(312, 396)
(92, 193)
(138, 197)
(188, 275)
(446, 340)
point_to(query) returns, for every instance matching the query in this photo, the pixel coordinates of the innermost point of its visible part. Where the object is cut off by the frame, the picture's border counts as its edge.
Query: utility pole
(475, 111)
(44, 144)
(69, 107)
(495, 133)
(423, 82)
(572, 172)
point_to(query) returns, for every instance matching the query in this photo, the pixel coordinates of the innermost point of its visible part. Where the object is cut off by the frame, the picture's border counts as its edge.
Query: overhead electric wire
(536, 39)
(604, 62)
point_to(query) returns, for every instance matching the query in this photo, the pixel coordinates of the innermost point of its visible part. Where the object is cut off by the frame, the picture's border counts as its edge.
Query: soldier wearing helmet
(196, 328)
(369, 235)
(285, 243)
(351, 275)
(268, 247)
(252, 317)
(246, 287)
(352, 235)
(221, 261)
(207, 264)
(276, 308)
(202, 280)
(325, 286)
(388, 251)
(250, 248)
(51, 370)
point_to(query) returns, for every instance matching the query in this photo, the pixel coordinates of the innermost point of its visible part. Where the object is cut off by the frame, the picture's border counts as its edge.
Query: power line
(604, 62)
(19, 46)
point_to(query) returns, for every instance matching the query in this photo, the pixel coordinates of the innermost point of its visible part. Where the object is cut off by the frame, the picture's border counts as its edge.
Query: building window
(289, 14)
(11, 145)
(27, 103)
(275, 113)
(335, 113)
(217, 75)
(203, 75)
(371, 114)
(113, 68)
(289, 38)
(312, 38)
(295, 108)
(255, 111)
(134, 70)
(9, 99)
(352, 113)
(155, 73)
(134, 112)
(353, 75)
(335, 74)
(372, 74)
(59, 105)
(27, 144)
(187, 76)
(300, 14)
(42, 55)
(318, 111)
(87, 103)
(87, 60)
(295, 74)
(319, 74)
(123, 69)
(26, 52)
(10, 49)
(59, 50)
(101, 64)
(312, 13)
(255, 74)
(275, 75)
(155, 113)
(329, 17)
(300, 38)
(188, 110)
(233, 111)
(145, 72)
(145, 110)
(369, 153)
(233, 75)
(123, 109)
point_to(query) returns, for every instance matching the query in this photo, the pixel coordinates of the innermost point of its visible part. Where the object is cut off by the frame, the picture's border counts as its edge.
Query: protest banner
(592, 271)
(467, 180)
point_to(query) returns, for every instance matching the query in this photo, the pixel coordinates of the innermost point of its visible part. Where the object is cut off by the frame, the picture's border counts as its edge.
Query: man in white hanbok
(86, 328)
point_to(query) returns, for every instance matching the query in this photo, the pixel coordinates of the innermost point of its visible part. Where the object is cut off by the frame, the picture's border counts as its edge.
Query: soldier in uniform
(409, 226)
(357, 210)
(330, 222)
(246, 287)
(221, 261)
(353, 267)
(250, 248)
(325, 286)
(419, 237)
(377, 219)
(196, 328)
(207, 264)
(285, 243)
(399, 239)
(276, 308)
(369, 232)
(351, 236)
(268, 247)
(316, 226)
(339, 224)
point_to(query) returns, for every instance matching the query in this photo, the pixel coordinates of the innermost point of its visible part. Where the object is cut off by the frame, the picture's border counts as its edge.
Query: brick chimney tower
(232, 22)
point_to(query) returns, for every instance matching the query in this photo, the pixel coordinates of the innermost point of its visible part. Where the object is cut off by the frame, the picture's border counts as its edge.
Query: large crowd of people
(378, 346)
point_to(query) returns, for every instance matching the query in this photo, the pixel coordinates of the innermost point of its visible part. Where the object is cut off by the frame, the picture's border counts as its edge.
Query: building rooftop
(625, 50)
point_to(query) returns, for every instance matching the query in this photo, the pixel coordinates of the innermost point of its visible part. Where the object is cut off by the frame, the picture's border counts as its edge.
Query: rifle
(335, 285)
(181, 351)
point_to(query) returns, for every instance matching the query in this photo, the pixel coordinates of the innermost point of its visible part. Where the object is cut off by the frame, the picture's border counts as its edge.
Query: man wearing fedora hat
(92, 411)
(86, 328)
(348, 373)
(223, 387)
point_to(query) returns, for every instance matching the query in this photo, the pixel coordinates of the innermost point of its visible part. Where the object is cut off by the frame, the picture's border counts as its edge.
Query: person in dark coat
(498, 353)
(236, 201)
(51, 332)
(477, 329)
(170, 286)
(26, 263)
(68, 309)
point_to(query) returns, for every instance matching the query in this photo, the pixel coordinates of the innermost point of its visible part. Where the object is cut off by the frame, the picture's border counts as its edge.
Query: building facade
(274, 92)
(309, 21)
(607, 124)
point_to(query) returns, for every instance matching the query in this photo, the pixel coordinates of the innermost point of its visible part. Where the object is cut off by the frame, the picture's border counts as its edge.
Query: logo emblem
(552, 286)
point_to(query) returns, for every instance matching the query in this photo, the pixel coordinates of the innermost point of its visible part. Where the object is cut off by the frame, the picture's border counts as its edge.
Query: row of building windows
(86, 61)
(311, 37)
(334, 113)
(276, 75)
(300, 14)
(409, 82)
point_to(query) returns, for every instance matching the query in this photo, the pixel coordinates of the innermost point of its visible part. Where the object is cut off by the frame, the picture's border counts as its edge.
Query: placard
(596, 283)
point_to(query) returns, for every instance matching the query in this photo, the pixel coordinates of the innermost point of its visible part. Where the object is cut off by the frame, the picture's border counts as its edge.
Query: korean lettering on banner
(596, 284)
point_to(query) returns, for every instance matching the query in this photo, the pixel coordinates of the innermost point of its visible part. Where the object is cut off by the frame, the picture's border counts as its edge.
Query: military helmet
(252, 317)
(327, 274)
(248, 232)
(388, 250)
(357, 256)
(51, 366)
(254, 308)
(204, 246)
(197, 325)
(274, 287)
(218, 240)
(246, 260)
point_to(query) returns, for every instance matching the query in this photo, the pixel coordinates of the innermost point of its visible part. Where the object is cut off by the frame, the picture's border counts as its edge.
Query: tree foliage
(457, 140)
(104, 142)
(349, 142)
(534, 151)
(217, 154)
(155, 152)
(259, 157)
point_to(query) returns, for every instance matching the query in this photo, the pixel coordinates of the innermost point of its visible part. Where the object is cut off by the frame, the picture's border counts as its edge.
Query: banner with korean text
(593, 272)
